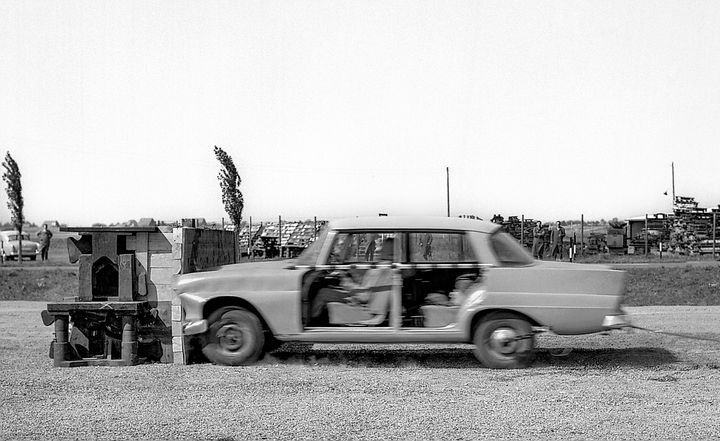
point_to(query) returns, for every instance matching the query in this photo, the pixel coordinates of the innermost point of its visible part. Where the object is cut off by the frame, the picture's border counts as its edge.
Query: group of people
(548, 240)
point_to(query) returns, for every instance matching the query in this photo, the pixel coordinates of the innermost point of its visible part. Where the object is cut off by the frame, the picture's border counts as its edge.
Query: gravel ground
(620, 386)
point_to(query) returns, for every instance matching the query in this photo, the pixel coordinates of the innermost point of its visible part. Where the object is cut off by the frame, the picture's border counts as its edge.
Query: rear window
(508, 251)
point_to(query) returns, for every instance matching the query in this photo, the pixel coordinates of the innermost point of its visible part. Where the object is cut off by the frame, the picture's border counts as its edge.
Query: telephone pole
(447, 186)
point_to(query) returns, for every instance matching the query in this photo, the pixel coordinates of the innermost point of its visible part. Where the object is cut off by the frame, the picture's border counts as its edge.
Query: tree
(15, 200)
(231, 195)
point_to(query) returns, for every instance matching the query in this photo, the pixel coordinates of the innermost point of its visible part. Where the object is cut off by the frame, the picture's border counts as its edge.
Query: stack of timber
(248, 237)
(659, 230)
(274, 239)
(517, 228)
(302, 236)
(692, 227)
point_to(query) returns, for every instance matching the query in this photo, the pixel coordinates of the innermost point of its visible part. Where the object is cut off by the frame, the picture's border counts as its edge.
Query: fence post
(714, 227)
(280, 235)
(582, 235)
(646, 234)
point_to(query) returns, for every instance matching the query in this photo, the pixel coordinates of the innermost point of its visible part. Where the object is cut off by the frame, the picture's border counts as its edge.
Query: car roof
(414, 223)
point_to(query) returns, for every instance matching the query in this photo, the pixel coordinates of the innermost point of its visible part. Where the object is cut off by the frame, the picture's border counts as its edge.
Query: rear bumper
(616, 321)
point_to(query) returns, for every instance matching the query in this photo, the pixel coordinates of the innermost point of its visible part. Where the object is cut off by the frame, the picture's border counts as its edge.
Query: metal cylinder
(61, 339)
(129, 347)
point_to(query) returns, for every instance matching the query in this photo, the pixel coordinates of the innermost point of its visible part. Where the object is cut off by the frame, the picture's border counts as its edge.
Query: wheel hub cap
(230, 337)
(503, 341)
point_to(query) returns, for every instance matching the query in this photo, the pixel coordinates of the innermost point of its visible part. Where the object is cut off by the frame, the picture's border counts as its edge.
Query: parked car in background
(400, 280)
(10, 243)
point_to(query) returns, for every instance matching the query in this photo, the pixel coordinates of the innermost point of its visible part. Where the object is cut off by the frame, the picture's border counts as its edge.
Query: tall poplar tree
(231, 195)
(12, 176)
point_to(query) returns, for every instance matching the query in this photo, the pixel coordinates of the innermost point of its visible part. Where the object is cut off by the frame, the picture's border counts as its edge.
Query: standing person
(556, 237)
(538, 240)
(546, 241)
(45, 235)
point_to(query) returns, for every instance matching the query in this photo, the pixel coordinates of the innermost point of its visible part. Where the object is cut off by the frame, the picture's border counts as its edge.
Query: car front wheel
(504, 341)
(235, 337)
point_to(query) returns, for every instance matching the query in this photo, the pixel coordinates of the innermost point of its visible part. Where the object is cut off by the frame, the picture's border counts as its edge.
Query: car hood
(253, 276)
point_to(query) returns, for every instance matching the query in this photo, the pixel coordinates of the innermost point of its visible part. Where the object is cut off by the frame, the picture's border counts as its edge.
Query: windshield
(15, 237)
(508, 251)
(311, 253)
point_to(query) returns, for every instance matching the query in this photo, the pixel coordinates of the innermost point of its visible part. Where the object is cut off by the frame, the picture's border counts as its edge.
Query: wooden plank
(141, 250)
(142, 261)
(85, 277)
(126, 307)
(130, 243)
(126, 277)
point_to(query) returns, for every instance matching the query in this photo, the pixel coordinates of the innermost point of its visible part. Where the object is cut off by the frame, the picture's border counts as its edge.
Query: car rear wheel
(504, 341)
(234, 338)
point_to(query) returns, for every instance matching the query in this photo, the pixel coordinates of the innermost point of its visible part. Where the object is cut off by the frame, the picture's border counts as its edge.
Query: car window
(440, 247)
(360, 247)
(508, 251)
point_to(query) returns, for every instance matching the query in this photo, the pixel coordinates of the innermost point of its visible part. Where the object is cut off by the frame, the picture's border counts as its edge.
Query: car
(10, 244)
(451, 280)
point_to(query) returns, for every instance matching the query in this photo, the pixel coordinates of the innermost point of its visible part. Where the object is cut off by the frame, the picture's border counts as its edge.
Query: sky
(548, 109)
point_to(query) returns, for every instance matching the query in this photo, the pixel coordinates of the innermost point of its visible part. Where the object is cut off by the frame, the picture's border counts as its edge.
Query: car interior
(431, 295)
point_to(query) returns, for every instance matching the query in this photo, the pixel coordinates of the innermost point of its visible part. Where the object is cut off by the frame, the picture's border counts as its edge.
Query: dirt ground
(635, 385)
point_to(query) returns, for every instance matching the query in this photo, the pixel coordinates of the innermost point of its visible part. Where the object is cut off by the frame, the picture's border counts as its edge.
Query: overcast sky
(344, 108)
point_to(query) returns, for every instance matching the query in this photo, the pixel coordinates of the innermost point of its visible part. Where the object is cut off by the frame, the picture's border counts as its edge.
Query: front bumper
(194, 328)
(192, 314)
(616, 321)
(25, 253)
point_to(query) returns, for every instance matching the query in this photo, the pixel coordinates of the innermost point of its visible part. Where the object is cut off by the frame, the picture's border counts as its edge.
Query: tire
(499, 342)
(234, 338)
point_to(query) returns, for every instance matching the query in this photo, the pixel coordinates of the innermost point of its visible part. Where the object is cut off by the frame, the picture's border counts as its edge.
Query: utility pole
(646, 250)
(673, 184)
(714, 227)
(582, 235)
(447, 186)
